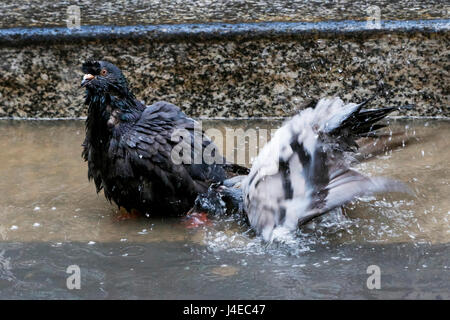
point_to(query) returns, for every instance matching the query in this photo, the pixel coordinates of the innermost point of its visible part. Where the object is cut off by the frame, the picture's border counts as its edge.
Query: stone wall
(238, 70)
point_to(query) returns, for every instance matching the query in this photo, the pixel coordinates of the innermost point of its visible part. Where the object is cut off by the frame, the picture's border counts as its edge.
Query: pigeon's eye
(104, 72)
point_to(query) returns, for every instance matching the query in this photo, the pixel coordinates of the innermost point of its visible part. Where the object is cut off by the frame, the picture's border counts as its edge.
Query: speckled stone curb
(50, 13)
(245, 70)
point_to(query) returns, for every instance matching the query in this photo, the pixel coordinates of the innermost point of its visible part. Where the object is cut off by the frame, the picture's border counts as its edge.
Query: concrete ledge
(231, 70)
(50, 13)
(216, 31)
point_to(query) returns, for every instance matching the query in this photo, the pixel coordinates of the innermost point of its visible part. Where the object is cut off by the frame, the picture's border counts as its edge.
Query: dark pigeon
(128, 147)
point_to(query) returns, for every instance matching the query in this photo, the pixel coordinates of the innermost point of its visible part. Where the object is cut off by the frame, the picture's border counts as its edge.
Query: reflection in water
(51, 217)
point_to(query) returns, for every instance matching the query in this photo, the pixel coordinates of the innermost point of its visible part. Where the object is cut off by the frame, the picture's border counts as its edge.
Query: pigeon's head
(103, 77)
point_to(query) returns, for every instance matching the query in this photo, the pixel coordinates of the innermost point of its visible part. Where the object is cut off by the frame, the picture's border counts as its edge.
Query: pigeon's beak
(87, 77)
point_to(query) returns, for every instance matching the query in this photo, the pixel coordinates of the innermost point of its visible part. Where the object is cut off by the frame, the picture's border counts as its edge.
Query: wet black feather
(128, 148)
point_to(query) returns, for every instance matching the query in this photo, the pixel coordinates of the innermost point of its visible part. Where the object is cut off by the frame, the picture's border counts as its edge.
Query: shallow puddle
(51, 217)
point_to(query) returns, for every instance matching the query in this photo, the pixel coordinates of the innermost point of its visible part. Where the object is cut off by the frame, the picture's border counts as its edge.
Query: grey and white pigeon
(305, 170)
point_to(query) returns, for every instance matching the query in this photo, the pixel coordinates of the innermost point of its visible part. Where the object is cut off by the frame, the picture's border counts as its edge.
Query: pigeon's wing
(304, 171)
(154, 147)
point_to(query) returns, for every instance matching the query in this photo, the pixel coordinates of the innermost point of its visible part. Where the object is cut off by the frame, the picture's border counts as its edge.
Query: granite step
(215, 64)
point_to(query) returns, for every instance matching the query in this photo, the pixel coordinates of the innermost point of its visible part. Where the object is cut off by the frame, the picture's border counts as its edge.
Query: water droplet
(298, 265)
(347, 259)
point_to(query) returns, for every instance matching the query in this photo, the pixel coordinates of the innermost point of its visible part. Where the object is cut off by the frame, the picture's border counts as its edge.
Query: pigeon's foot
(196, 219)
(124, 215)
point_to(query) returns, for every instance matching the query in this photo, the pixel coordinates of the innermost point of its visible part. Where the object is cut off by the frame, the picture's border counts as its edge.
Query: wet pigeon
(128, 147)
(304, 171)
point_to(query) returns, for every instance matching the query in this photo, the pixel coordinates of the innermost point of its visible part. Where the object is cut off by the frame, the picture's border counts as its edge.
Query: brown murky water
(51, 217)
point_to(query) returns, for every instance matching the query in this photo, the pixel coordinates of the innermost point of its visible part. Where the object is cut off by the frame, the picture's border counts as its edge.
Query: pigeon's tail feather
(221, 198)
(348, 186)
(234, 169)
(363, 122)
